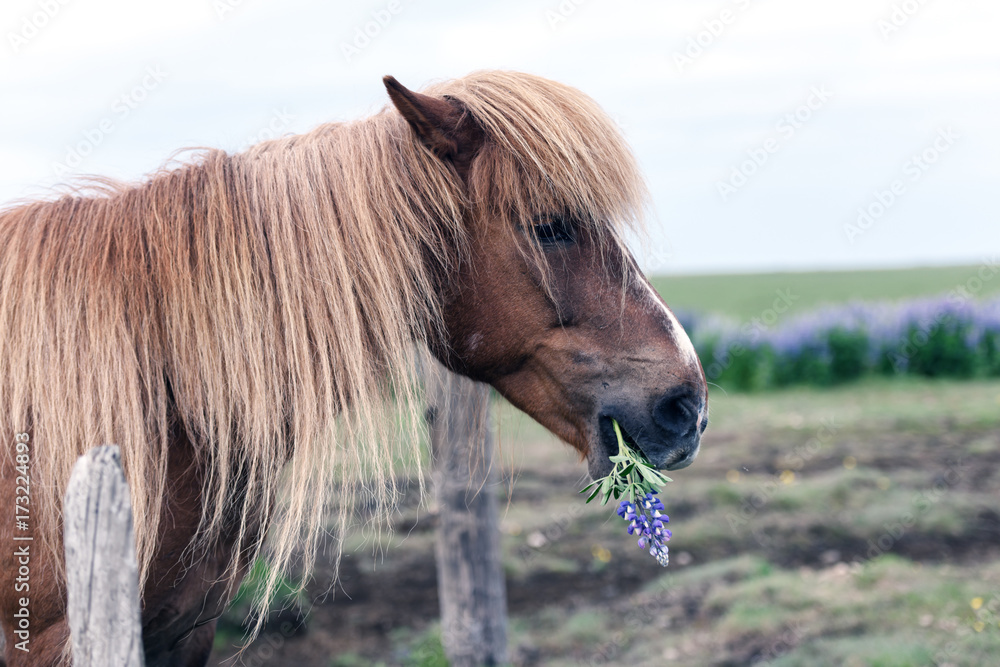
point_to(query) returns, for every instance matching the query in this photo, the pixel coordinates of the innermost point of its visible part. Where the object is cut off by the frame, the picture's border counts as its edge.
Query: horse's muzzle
(668, 432)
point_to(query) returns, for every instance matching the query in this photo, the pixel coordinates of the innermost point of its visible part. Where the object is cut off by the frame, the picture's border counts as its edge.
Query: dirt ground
(773, 503)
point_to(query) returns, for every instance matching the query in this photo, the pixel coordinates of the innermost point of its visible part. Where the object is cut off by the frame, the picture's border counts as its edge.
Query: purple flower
(645, 520)
(661, 553)
(636, 524)
(651, 503)
(867, 336)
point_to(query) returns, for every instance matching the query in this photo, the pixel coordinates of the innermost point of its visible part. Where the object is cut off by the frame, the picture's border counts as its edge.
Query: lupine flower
(634, 478)
(626, 510)
(952, 334)
(649, 527)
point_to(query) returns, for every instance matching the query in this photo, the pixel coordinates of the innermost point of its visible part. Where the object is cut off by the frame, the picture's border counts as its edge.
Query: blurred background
(825, 222)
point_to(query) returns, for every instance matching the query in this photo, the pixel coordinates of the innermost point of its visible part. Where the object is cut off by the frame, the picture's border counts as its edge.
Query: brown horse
(242, 325)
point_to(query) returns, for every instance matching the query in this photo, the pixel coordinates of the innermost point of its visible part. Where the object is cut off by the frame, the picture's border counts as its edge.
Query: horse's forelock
(551, 150)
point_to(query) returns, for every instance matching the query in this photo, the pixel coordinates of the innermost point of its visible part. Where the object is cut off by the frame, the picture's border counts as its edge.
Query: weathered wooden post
(471, 585)
(101, 574)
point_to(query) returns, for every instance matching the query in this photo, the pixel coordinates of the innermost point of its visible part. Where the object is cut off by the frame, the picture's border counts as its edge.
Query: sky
(774, 134)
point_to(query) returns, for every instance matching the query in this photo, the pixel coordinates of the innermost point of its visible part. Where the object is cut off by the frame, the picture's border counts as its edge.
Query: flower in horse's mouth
(648, 525)
(635, 478)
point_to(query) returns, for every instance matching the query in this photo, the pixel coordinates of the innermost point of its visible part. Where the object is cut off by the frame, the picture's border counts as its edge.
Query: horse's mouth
(609, 440)
(660, 455)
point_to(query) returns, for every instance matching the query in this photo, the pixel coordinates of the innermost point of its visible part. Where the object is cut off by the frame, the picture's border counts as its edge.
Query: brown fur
(238, 324)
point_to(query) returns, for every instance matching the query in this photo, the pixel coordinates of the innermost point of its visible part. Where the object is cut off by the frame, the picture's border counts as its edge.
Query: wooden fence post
(101, 574)
(471, 585)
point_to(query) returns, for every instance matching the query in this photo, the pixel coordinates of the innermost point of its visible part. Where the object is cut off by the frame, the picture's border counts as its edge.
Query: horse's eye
(554, 231)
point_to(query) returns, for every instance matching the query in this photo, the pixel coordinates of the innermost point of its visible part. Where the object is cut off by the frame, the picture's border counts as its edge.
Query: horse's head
(546, 304)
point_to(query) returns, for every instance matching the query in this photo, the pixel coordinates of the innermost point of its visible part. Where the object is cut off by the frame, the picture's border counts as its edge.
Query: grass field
(813, 530)
(855, 525)
(852, 526)
(743, 296)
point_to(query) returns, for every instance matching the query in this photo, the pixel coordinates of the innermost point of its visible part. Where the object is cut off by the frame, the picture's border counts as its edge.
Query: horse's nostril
(677, 411)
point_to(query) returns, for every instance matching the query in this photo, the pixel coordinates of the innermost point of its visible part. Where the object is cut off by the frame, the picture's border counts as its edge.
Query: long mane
(269, 303)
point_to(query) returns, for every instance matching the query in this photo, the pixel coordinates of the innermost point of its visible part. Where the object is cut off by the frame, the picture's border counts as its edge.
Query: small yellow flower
(733, 476)
(850, 462)
(976, 603)
(883, 483)
(978, 626)
(786, 477)
(600, 553)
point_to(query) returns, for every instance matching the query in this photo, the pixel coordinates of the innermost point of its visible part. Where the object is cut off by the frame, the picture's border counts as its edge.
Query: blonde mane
(271, 302)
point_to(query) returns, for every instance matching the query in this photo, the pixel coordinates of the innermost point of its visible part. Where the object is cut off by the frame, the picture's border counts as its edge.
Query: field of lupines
(932, 337)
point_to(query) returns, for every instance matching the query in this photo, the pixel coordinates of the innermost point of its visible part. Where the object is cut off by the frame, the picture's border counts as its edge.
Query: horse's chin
(601, 449)
(598, 463)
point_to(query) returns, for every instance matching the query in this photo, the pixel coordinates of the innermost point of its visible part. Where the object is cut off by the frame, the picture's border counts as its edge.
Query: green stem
(640, 479)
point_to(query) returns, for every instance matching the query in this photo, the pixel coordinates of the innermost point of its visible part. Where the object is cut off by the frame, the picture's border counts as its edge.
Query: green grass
(748, 295)
(288, 593)
(426, 651)
(878, 403)
(889, 611)
(744, 600)
(763, 591)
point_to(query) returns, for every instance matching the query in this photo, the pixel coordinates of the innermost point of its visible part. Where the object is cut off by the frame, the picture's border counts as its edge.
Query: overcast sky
(763, 126)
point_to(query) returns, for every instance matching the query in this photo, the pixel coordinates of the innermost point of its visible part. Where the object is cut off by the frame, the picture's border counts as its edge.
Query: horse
(245, 327)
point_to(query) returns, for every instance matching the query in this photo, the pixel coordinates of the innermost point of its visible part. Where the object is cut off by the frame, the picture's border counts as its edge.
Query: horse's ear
(432, 118)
